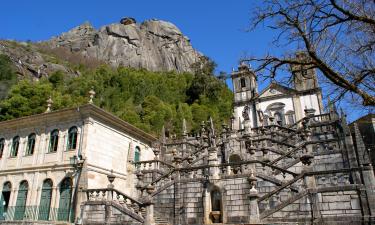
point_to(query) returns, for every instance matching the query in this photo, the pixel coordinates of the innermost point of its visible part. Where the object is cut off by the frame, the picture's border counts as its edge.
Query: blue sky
(216, 28)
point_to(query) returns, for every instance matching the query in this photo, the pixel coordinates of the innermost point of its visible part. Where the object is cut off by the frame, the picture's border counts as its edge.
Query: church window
(30, 144)
(243, 82)
(54, 141)
(278, 118)
(15, 146)
(137, 154)
(290, 118)
(72, 138)
(2, 146)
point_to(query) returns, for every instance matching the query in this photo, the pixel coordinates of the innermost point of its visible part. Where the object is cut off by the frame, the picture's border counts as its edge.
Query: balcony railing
(35, 213)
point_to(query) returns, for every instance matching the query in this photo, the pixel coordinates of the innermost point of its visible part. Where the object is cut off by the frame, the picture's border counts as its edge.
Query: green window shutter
(65, 198)
(20, 207)
(45, 200)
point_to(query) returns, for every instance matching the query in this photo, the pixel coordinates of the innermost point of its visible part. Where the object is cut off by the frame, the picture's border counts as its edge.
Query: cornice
(84, 113)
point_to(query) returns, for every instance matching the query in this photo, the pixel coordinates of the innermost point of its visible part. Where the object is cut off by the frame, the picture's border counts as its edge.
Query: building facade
(47, 159)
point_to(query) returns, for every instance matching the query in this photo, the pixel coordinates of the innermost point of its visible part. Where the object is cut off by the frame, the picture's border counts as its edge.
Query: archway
(65, 200)
(216, 214)
(5, 198)
(20, 208)
(45, 200)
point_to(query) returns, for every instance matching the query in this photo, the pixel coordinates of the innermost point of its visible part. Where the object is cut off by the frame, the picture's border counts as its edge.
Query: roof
(277, 86)
(88, 110)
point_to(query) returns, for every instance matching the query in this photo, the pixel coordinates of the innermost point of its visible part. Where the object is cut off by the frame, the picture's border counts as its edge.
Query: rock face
(28, 61)
(153, 45)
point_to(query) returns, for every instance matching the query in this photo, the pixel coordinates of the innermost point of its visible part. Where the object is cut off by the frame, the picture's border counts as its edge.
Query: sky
(218, 28)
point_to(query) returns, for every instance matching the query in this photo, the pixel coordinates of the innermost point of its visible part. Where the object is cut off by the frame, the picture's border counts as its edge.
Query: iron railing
(35, 213)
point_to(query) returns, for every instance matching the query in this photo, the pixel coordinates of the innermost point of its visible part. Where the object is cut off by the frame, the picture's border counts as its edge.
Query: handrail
(306, 174)
(111, 190)
(154, 161)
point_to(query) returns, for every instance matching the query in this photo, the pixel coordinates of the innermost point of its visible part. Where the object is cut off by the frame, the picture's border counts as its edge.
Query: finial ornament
(92, 95)
(49, 104)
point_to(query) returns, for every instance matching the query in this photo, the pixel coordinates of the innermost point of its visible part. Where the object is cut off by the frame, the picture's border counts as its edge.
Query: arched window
(30, 144)
(20, 208)
(2, 146)
(278, 118)
(65, 198)
(54, 141)
(15, 146)
(290, 117)
(137, 154)
(216, 213)
(45, 200)
(243, 82)
(215, 200)
(72, 138)
(5, 198)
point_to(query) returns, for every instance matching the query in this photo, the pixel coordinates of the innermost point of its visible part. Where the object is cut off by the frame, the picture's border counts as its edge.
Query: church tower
(304, 77)
(245, 88)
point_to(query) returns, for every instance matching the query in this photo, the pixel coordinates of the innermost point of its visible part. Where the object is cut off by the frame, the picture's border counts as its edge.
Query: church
(286, 105)
(282, 159)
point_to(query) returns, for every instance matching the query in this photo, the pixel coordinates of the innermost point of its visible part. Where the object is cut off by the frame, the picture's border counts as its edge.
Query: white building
(276, 103)
(47, 159)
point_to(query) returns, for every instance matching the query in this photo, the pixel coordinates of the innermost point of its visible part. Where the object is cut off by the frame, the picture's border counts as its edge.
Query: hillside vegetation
(148, 100)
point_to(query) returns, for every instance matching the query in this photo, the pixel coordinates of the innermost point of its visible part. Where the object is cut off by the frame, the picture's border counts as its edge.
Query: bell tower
(304, 77)
(245, 88)
(244, 84)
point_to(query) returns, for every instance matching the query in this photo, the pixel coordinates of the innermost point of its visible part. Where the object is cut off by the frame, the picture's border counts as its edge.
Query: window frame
(53, 141)
(2, 147)
(243, 82)
(137, 151)
(69, 146)
(30, 151)
(14, 151)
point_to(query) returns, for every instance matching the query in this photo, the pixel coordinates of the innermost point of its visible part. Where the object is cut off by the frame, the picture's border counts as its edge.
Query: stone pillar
(369, 182)
(212, 162)
(206, 205)
(310, 183)
(253, 197)
(247, 126)
(149, 204)
(297, 107)
(253, 207)
(149, 219)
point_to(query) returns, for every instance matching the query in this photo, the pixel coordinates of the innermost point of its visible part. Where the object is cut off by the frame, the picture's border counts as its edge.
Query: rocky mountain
(154, 45)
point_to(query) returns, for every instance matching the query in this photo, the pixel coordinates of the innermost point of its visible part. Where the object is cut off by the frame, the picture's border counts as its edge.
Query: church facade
(286, 105)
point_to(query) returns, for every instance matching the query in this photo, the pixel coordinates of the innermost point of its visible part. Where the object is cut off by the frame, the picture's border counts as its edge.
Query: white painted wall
(310, 102)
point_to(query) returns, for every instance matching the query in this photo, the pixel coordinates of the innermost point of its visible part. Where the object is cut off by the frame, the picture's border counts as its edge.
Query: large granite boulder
(154, 44)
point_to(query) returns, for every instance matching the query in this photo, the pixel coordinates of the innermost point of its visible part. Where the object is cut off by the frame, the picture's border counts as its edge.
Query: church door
(65, 198)
(19, 211)
(45, 200)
